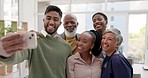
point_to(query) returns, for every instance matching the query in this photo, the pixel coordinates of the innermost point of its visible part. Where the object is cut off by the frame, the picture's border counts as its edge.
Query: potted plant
(4, 30)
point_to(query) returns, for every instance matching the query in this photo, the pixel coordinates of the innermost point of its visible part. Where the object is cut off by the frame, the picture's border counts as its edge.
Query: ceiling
(85, 1)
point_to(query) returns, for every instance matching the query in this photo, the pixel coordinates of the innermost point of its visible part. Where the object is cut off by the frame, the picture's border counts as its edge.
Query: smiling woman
(115, 65)
(84, 59)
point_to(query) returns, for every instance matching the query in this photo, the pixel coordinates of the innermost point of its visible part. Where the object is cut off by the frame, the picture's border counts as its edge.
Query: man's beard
(70, 34)
(50, 32)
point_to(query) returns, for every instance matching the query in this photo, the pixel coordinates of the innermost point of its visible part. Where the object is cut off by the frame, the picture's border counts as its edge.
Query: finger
(13, 51)
(13, 43)
(14, 48)
(10, 37)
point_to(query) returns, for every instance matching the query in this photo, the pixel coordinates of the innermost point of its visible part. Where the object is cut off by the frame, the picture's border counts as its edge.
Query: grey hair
(117, 34)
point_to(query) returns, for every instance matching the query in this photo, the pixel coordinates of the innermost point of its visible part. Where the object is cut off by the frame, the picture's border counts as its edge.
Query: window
(127, 5)
(136, 38)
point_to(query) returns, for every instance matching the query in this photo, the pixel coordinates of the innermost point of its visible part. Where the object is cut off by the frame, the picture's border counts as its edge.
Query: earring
(90, 52)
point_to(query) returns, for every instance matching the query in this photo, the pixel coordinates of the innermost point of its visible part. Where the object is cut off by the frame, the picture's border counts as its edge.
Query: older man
(70, 26)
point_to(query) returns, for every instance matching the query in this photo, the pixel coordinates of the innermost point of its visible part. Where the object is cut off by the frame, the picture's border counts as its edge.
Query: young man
(70, 27)
(48, 60)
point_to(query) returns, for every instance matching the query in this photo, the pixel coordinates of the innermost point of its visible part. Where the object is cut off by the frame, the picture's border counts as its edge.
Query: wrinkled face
(109, 42)
(70, 23)
(99, 23)
(52, 21)
(85, 43)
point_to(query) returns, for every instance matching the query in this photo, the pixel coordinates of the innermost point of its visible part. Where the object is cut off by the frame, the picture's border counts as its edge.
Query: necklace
(106, 60)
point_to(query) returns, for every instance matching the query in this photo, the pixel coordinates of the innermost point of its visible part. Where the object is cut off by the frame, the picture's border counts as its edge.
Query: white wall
(1, 9)
(27, 13)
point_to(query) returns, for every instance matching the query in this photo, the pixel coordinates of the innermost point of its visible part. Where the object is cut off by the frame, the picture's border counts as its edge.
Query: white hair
(117, 34)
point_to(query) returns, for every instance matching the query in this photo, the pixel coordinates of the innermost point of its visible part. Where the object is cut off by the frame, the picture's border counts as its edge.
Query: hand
(11, 43)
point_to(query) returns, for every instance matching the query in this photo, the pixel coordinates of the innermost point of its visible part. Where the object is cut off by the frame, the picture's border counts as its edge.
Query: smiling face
(109, 43)
(52, 21)
(99, 23)
(85, 43)
(70, 24)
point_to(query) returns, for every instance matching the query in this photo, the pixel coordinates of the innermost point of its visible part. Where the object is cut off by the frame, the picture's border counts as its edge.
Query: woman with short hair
(115, 65)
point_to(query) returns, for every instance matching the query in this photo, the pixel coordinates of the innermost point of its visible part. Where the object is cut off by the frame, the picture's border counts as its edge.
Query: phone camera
(29, 37)
(32, 34)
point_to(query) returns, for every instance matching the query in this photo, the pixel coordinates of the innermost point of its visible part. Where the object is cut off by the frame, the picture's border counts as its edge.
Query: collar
(70, 37)
(77, 56)
(46, 34)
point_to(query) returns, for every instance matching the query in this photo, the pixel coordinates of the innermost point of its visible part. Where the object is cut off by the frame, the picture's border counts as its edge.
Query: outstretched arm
(11, 43)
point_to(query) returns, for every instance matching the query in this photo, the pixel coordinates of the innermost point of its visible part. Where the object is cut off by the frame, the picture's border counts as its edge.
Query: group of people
(69, 55)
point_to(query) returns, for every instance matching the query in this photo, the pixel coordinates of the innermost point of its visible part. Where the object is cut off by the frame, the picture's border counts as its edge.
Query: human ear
(43, 20)
(106, 22)
(92, 47)
(117, 44)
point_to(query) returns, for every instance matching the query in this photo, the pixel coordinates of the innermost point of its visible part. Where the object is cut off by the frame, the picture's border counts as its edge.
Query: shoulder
(74, 57)
(62, 40)
(71, 60)
(62, 35)
(119, 62)
(116, 57)
(119, 59)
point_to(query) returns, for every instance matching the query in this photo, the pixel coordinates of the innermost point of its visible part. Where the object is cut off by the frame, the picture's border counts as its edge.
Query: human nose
(79, 43)
(104, 41)
(51, 22)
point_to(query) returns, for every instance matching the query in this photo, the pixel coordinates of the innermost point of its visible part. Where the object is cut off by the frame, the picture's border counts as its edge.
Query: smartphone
(31, 40)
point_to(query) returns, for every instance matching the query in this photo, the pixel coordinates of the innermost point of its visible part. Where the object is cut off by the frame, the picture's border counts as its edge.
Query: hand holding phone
(31, 40)
(14, 42)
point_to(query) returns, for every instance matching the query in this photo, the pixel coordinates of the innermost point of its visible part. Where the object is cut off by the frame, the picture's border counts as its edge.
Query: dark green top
(48, 60)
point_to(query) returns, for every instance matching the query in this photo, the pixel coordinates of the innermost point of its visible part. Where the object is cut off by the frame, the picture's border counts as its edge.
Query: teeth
(79, 47)
(105, 45)
(50, 27)
(98, 25)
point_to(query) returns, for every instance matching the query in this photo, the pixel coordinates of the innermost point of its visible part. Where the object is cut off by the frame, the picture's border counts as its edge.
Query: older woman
(115, 65)
(84, 64)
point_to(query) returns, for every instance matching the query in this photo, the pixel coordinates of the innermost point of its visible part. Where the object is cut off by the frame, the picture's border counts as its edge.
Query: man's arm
(11, 43)
(12, 49)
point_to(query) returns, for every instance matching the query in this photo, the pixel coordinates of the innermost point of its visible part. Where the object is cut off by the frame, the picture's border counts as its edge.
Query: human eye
(94, 20)
(48, 18)
(103, 37)
(72, 22)
(84, 41)
(56, 19)
(99, 19)
(110, 38)
(65, 23)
